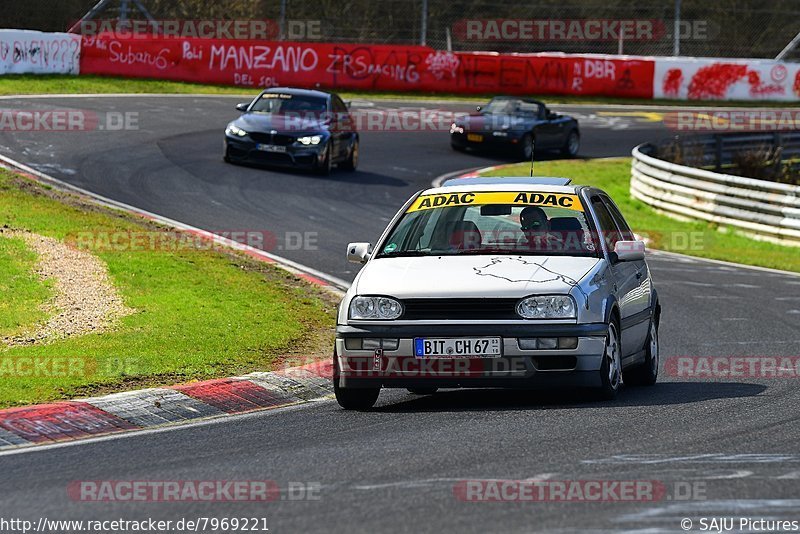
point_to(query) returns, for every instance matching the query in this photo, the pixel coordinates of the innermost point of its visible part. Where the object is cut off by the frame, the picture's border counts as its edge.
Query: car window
(608, 228)
(492, 223)
(627, 233)
(338, 105)
(283, 103)
(531, 108)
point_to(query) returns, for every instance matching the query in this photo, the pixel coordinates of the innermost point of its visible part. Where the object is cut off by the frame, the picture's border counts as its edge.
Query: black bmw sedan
(519, 125)
(294, 128)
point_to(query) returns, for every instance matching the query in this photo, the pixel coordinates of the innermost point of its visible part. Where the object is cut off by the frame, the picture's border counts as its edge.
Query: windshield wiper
(405, 254)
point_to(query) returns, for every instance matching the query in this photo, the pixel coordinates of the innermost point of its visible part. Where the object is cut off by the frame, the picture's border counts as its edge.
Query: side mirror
(358, 252)
(629, 250)
(551, 115)
(243, 106)
(348, 105)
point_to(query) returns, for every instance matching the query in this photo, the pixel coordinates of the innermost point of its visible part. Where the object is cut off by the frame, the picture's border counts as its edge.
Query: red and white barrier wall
(258, 64)
(24, 51)
(726, 79)
(374, 67)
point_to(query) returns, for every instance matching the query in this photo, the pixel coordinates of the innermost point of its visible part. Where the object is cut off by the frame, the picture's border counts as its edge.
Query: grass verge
(22, 293)
(200, 313)
(28, 84)
(705, 240)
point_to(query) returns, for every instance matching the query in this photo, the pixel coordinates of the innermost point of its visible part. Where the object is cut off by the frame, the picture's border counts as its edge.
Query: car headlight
(547, 307)
(235, 131)
(310, 140)
(455, 128)
(380, 308)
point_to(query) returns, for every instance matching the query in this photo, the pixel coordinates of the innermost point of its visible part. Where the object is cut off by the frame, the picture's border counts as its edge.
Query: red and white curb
(150, 408)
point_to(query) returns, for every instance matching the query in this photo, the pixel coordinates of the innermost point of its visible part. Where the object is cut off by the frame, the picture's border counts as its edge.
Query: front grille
(459, 309)
(271, 139)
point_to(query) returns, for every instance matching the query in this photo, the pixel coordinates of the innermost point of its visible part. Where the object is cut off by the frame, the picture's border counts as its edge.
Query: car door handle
(639, 275)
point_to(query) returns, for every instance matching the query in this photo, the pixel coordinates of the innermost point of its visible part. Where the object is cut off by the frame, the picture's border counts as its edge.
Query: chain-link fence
(737, 28)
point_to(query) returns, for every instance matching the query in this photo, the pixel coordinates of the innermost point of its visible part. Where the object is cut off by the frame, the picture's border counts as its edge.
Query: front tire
(352, 161)
(611, 368)
(325, 168)
(352, 398)
(646, 374)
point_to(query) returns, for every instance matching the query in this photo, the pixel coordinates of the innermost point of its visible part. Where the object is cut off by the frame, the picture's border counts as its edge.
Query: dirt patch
(84, 301)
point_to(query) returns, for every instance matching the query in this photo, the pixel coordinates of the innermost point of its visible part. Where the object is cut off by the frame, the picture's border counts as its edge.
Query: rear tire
(572, 144)
(526, 150)
(646, 374)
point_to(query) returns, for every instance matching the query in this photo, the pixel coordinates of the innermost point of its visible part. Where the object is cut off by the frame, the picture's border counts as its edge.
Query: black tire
(572, 144)
(457, 148)
(525, 152)
(423, 391)
(646, 374)
(611, 382)
(353, 398)
(351, 163)
(325, 168)
(226, 156)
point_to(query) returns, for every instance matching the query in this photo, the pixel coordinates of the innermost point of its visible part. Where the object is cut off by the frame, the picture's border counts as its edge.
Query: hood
(472, 276)
(255, 122)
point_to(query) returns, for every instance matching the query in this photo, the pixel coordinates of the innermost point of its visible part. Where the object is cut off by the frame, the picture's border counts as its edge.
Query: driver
(534, 225)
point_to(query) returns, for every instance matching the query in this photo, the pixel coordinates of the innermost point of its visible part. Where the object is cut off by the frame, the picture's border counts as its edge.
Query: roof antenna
(532, 145)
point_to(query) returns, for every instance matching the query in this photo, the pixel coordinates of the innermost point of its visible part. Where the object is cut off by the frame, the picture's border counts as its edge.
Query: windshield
(512, 106)
(281, 103)
(519, 223)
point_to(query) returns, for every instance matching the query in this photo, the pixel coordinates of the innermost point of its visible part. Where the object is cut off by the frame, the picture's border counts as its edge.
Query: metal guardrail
(718, 151)
(762, 209)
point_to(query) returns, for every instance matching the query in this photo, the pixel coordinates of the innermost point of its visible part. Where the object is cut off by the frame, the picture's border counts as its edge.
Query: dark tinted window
(627, 233)
(608, 228)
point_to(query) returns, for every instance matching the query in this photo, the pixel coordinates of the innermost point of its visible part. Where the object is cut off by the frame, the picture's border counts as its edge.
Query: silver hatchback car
(498, 282)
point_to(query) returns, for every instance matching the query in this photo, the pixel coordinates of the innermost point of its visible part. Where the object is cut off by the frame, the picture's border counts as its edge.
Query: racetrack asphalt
(734, 441)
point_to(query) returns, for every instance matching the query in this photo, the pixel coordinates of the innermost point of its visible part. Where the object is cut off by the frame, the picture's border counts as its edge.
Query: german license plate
(271, 148)
(464, 347)
(475, 138)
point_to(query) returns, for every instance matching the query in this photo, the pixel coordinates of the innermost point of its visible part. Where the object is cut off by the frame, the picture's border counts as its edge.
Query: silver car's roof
(505, 183)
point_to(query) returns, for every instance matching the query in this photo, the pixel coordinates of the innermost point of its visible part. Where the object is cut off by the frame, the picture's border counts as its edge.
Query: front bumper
(516, 368)
(242, 149)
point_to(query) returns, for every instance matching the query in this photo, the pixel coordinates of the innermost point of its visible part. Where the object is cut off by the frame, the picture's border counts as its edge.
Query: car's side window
(608, 228)
(625, 230)
(338, 105)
